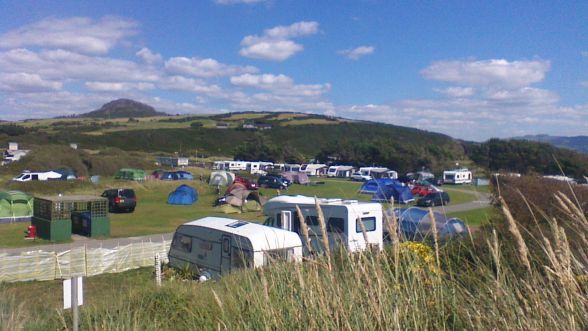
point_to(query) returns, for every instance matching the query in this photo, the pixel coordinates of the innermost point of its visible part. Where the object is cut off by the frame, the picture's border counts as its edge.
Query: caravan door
(225, 255)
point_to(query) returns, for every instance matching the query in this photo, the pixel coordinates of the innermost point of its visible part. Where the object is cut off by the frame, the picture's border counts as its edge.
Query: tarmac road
(483, 200)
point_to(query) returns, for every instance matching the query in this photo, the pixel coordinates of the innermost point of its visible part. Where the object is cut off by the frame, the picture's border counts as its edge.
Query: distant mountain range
(577, 143)
(123, 108)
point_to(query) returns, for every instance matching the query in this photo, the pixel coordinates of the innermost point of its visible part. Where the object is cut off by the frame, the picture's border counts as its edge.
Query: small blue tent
(401, 194)
(416, 224)
(372, 185)
(183, 195)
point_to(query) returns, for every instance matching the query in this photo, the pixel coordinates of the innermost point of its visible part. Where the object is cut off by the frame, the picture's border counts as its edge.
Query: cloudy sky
(473, 70)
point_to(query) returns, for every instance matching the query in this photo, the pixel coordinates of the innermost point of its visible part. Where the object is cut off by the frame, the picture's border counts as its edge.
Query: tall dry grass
(480, 285)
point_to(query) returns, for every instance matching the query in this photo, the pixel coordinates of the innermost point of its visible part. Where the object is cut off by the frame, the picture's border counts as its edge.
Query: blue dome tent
(401, 194)
(416, 224)
(183, 195)
(372, 185)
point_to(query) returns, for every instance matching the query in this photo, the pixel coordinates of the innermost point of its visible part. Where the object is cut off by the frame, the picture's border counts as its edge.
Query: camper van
(457, 176)
(215, 246)
(28, 176)
(344, 219)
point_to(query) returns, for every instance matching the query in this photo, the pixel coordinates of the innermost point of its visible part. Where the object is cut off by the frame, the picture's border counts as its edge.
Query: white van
(342, 218)
(215, 246)
(29, 176)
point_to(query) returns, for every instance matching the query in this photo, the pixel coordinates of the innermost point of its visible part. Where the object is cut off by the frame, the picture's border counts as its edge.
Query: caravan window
(312, 221)
(182, 243)
(336, 225)
(368, 222)
(241, 258)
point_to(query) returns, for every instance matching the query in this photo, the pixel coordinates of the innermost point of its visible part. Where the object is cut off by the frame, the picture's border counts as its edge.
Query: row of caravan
(216, 246)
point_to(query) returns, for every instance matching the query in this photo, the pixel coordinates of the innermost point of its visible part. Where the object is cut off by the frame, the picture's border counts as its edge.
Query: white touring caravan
(457, 176)
(314, 169)
(343, 221)
(215, 246)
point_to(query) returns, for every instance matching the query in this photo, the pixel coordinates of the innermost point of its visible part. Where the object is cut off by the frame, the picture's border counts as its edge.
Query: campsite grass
(153, 215)
(475, 217)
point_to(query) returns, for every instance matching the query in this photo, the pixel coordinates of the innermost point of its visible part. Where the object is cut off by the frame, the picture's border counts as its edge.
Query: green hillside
(295, 137)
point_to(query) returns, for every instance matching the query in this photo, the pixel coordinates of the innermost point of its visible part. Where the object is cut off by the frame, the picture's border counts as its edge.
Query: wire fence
(81, 261)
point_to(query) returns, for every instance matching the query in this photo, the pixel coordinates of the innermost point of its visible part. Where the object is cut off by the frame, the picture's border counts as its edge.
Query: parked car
(249, 184)
(422, 190)
(434, 199)
(272, 182)
(122, 199)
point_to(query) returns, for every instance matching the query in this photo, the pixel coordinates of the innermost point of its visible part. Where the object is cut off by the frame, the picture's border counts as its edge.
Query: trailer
(346, 221)
(213, 246)
(457, 176)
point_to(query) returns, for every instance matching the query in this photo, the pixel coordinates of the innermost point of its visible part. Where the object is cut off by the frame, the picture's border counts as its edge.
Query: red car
(422, 190)
(250, 185)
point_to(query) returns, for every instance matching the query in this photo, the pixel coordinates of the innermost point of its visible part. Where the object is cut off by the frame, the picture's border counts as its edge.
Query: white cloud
(495, 72)
(27, 83)
(280, 85)
(80, 34)
(204, 67)
(356, 53)
(64, 66)
(265, 81)
(275, 43)
(457, 92)
(233, 2)
(584, 53)
(180, 83)
(118, 86)
(148, 56)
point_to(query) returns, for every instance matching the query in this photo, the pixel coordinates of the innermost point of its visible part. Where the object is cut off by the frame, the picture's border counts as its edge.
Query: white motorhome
(216, 246)
(312, 169)
(457, 176)
(29, 176)
(343, 219)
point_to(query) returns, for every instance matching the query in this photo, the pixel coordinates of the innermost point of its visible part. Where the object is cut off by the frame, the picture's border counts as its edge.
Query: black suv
(434, 199)
(121, 200)
(272, 182)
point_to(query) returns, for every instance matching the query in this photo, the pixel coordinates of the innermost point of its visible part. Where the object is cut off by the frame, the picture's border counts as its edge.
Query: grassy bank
(500, 278)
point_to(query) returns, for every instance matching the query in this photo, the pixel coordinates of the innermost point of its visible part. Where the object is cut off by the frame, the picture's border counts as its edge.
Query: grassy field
(153, 214)
(475, 217)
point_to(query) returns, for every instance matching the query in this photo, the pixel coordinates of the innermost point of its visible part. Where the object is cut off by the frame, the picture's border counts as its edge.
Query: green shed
(15, 206)
(57, 217)
(130, 174)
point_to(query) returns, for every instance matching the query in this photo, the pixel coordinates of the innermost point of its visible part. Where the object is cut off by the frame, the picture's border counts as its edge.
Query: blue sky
(473, 70)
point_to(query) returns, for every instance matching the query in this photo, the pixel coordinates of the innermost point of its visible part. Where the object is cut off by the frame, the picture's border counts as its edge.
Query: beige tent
(221, 178)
